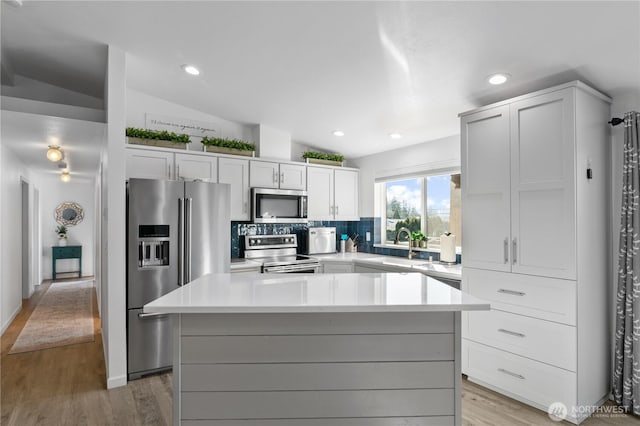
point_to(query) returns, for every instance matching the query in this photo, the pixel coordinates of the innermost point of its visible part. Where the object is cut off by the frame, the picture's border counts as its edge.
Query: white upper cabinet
(267, 174)
(518, 192)
(346, 194)
(236, 173)
(486, 189)
(543, 214)
(333, 194)
(149, 164)
(197, 167)
(293, 176)
(320, 193)
(264, 174)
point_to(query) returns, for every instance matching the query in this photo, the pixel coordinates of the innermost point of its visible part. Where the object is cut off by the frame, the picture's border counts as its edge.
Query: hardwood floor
(66, 386)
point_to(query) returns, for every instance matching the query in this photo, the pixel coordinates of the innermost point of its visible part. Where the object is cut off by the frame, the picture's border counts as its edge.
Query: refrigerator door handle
(188, 241)
(181, 229)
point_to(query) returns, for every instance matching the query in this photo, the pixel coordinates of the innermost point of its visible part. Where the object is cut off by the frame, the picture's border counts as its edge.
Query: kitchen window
(429, 204)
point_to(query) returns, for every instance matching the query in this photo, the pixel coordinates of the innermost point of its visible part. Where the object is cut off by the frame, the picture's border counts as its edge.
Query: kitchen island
(319, 349)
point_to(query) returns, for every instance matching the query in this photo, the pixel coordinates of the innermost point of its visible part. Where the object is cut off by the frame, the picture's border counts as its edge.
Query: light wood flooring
(66, 386)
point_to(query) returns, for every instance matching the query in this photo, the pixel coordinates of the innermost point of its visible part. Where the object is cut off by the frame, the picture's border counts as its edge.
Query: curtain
(626, 374)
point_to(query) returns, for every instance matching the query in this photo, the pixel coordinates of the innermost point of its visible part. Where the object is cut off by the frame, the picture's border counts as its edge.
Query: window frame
(380, 191)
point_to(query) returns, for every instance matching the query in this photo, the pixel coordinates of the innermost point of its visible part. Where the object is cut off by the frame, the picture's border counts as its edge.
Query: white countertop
(409, 265)
(242, 264)
(291, 293)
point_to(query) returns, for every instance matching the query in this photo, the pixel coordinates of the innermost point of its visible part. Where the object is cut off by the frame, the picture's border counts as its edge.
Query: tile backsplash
(351, 228)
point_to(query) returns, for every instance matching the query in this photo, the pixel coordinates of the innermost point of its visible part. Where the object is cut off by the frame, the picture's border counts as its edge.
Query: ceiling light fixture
(499, 78)
(54, 153)
(338, 133)
(190, 69)
(395, 135)
(65, 177)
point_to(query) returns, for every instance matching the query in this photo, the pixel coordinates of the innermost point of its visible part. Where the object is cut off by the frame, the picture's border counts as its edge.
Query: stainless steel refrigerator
(176, 232)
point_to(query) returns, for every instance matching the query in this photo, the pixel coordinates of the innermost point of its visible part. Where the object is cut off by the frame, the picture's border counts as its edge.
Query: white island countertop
(293, 293)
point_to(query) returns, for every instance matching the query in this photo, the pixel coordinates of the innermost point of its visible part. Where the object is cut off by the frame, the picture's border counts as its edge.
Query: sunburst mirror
(69, 213)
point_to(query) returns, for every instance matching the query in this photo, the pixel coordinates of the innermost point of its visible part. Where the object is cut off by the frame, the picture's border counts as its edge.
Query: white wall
(12, 170)
(114, 225)
(440, 154)
(138, 104)
(272, 143)
(28, 88)
(53, 192)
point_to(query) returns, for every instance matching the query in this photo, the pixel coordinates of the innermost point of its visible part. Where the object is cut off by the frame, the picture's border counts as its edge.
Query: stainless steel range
(278, 254)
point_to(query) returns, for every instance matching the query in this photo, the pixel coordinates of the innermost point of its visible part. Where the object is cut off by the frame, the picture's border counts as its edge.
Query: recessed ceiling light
(499, 78)
(395, 135)
(190, 69)
(338, 133)
(65, 177)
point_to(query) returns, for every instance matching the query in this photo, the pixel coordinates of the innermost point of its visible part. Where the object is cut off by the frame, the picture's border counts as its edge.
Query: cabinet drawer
(540, 340)
(530, 381)
(540, 297)
(67, 252)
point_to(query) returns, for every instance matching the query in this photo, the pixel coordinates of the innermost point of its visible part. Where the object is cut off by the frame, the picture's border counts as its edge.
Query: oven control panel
(256, 242)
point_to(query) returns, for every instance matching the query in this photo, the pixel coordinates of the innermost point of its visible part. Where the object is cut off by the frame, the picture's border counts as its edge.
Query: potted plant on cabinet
(61, 230)
(315, 157)
(157, 138)
(229, 146)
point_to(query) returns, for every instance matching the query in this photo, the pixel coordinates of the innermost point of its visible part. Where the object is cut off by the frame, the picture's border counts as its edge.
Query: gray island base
(311, 350)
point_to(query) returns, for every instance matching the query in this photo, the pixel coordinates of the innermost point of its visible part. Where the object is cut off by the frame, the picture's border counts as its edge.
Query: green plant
(162, 135)
(418, 236)
(229, 143)
(323, 156)
(61, 230)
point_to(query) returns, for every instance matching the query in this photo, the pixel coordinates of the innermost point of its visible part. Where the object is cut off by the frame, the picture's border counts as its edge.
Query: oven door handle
(291, 268)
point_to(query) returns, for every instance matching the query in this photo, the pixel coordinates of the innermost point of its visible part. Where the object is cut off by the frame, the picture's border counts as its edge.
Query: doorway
(26, 225)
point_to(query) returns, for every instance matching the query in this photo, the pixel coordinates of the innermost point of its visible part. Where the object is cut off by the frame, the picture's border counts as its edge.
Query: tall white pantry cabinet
(535, 214)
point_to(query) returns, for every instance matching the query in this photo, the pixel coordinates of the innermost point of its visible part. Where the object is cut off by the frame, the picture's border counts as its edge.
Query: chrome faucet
(400, 231)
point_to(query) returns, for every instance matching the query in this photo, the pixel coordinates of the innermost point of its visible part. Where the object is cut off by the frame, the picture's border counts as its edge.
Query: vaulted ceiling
(308, 68)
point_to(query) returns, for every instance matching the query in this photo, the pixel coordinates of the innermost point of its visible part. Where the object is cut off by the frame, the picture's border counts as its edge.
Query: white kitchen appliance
(321, 240)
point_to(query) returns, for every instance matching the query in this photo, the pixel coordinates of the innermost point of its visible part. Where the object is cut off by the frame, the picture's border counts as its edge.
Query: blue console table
(66, 252)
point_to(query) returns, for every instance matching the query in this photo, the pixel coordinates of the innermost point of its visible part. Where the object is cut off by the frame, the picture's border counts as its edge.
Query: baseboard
(13, 316)
(116, 382)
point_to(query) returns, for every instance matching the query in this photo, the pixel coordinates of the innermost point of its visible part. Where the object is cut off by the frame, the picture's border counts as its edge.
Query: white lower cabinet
(538, 297)
(337, 268)
(533, 338)
(524, 379)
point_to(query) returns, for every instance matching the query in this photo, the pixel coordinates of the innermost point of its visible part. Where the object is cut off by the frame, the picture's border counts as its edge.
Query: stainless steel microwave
(278, 205)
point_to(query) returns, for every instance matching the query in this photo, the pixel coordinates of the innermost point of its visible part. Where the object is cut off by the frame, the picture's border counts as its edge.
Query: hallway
(66, 385)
